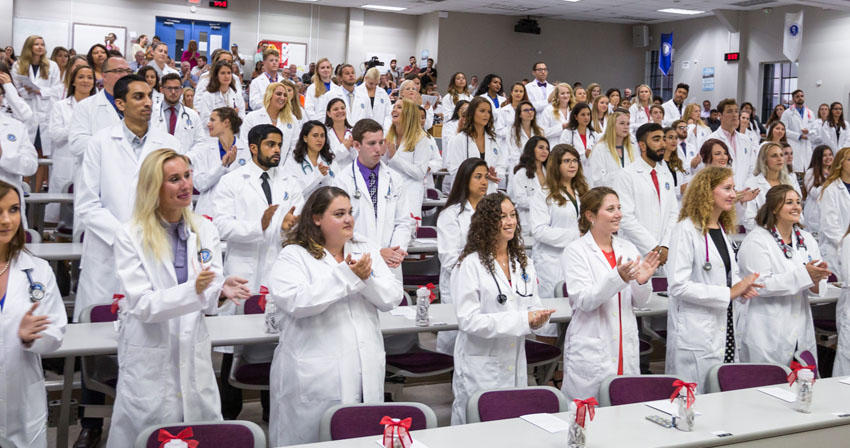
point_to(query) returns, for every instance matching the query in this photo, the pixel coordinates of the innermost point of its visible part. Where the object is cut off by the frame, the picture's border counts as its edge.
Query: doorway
(178, 32)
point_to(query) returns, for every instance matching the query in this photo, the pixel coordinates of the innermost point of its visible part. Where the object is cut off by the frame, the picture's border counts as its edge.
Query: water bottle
(684, 420)
(423, 303)
(805, 381)
(576, 435)
(272, 321)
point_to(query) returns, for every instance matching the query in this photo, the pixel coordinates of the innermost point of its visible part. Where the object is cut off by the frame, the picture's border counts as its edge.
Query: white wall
(574, 51)
(427, 36)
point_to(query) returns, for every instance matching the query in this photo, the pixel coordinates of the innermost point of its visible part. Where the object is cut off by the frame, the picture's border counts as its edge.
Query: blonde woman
(556, 116)
(595, 91)
(698, 133)
(169, 268)
(835, 211)
(612, 153)
(600, 113)
(770, 171)
(320, 91)
(276, 111)
(369, 100)
(189, 98)
(409, 150)
(640, 110)
(295, 101)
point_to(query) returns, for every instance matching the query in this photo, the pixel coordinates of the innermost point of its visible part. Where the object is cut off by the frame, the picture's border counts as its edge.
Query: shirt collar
(133, 138)
(256, 171)
(177, 228)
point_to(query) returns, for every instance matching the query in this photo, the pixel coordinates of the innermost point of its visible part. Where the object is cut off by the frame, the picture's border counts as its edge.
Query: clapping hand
(536, 319)
(235, 289)
(362, 268)
(31, 326)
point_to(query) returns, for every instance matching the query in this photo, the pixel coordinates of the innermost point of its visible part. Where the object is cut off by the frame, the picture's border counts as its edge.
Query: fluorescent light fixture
(687, 12)
(571, 1)
(384, 8)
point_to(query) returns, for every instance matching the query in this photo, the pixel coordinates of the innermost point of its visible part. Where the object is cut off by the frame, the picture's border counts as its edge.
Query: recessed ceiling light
(384, 8)
(687, 12)
(571, 1)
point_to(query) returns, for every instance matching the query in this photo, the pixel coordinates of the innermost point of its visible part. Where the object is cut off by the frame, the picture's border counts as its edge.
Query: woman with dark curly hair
(494, 287)
(312, 162)
(606, 277)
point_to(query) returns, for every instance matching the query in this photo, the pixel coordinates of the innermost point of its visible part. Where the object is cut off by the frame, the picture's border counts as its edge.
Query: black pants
(88, 396)
(231, 397)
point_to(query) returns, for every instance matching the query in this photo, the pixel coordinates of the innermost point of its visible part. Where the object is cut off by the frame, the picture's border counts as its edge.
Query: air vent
(748, 3)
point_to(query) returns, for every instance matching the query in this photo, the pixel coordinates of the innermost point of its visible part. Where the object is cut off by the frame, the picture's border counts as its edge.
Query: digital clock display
(218, 3)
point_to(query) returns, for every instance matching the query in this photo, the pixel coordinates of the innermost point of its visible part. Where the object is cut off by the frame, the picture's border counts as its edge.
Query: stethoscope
(36, 289)
(184, 117)
(707, 265)
(306, 167)
(501, 297)
(358, 195)
(589, 135)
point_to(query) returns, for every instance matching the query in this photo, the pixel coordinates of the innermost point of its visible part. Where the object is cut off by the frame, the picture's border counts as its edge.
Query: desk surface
(56, 251)
(45, 198)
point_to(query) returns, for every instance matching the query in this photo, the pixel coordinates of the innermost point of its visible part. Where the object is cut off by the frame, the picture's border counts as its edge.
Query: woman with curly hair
(494, 287)
(606, 277)
(703, 278)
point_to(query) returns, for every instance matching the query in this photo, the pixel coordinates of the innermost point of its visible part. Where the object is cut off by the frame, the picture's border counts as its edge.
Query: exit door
(177, 33)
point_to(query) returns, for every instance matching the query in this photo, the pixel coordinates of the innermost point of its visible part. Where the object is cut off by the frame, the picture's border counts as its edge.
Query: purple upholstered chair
(617, 390)
(502, 404)
(538, 354)
(807, 358)
(234, 433)
(245, 375)
(347, 421)
(561, 289)
(725, 377)
(659, 284)
(101, 371)
(424, 270)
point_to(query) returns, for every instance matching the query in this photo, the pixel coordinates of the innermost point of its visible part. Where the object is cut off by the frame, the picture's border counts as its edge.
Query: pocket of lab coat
(586, 357)
(696, 330)
(486, 373)
(146, 369)
(318, 379)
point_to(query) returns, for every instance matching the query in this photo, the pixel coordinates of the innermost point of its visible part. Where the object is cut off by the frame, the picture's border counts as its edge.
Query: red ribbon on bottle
(679, 384)
(431, 288)
(585, 407)
(262, 302)
(796, 367)
(164, 437)
(395, 427)
(417, 219)
(208, 217)
(114, 307)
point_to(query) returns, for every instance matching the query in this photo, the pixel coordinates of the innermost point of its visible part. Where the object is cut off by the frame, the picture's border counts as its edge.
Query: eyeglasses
(126, 71)
(173, 89)
(570, 161)
(544, 69)
(527, 110)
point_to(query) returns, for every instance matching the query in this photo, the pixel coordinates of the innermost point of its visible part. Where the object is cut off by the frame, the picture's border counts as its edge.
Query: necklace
(786, 248)
(5, 268)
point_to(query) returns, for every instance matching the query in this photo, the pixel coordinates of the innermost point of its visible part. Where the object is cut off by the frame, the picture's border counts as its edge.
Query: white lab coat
(513, 151)
(104, 200)
(260, 116)
(307, 175)
(671, 112)
(204, 81)
(238, 204)
(189, 129)
(779, 321)
(552, 125)
(493, 107)
(697, 135)
(638, 116)
(601, 303)
(842, 317)
(394, 225)
(90, 116)
(40, 103)
(363, 108)
(811, 208)
(603, 168)
(452, 228)
(15, 106)
(342, 155)
(165, 371)
(23, 400)
(330, 349)
(696, 317)
(63, 171)
(447, 106)
(164, 70)
(648, 215)
(553, 227)
(207, 170)
(537, 96)
(212, 101)
(257, 89)
(503, 125)
(490, 349)
(827, 136)
(834, 215)
(751, 208)
(316, 108)
(462, 147)
(573, 138)
(794, 124)
(522, 191)
(412, 168)
(17, 157)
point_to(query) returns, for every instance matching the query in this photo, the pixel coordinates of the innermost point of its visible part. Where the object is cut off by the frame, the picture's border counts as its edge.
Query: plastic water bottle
(576, 435)
(805, 381)
(684, 420)
(272, 322)
(423, 303)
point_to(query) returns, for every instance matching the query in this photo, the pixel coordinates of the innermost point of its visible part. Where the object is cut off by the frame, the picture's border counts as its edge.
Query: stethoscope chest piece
(706, 267)
(36, 292)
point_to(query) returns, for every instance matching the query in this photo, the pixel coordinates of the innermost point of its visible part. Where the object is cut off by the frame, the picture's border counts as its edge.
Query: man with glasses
(172, 117)
(539, 89)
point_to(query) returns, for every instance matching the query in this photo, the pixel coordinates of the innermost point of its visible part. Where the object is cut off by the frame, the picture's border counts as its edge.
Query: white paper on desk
(546, 421)
(667, 407)
(429, 99)
(416, 443)
(784, 395)
(845, 380)
(407, 312)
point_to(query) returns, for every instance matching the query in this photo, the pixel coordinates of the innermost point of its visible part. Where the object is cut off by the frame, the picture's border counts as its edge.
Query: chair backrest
(432, 193)
(617, 390)
(243, 434)
(426, 232)
(807, 358)
(100, 313)
(502, 404)
(32, 236)
(347, 421)
(659, 284)
(252, 306)
(561, 289)
(725, 377)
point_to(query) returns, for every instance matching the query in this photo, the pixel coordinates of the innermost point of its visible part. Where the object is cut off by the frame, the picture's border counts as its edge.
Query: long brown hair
(18, 241)
(835, 169)
(469, 118)
(517, 127)
(25, 60)
(456, 91)
(305, 232)
(483, 229)
(773, 202)
(591, 201)
(554, 184)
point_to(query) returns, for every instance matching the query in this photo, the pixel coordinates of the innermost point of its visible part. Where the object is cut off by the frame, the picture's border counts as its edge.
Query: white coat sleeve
(232, 227)
(630, 227)
(845, 255)
(383, 289)
(145, 302)
(415, 167)
(311, 104)
(20, 109)
(79, 132)
(18, 157)
(403, 222)
(679, 272)
(94, 216)
(58, 126)
(257, 94)
(542, 228)
(466, 290)
(450, 238)
(791, 133)
(455, 153)
(832, 226)
(205, 171)
(53, 308)
(754, 256)
(585, 293)
(301, 292)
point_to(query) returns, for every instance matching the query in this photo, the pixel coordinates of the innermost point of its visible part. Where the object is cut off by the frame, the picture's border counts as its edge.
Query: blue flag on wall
(665, 54)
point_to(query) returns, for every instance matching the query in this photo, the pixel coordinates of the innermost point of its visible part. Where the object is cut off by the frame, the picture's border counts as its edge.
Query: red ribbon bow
(795, 368)
(679, 384)
(431, 288)
(393, 427)
(114, 307)
(165, 437)
(262, 302)
(585, 407)
(417, 219)
(208, 217)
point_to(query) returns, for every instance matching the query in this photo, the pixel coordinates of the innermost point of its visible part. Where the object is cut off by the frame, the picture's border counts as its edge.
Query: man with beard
(647, 195)
(673, 109)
